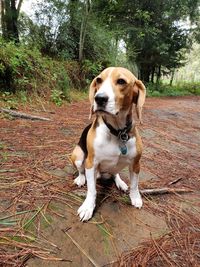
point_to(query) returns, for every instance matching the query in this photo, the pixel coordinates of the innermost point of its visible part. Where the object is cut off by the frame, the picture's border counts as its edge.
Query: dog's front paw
(86, 210)
(136, 200)
(120, 183)
(80, 180)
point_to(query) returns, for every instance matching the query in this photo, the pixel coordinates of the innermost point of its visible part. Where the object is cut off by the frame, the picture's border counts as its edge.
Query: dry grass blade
(103, 228)
(33, 217)
(39, 255)
(81, 249)
(9, 185)
(175, 181)
(16, 214)
(163, 253)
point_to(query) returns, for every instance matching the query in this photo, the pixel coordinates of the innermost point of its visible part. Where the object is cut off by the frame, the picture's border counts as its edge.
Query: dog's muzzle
(101, 100)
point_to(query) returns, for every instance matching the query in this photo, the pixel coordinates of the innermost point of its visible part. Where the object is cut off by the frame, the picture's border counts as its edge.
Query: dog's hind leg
(78, 160)
(120, 183)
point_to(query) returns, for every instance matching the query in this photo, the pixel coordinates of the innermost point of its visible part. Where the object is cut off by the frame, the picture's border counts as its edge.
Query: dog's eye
(98, 80)
(121, 81)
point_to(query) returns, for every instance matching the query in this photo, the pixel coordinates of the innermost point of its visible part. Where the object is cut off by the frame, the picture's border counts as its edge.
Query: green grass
(11, 100)
(180, 89)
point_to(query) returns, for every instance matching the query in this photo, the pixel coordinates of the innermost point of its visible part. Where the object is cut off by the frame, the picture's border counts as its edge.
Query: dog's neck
(119, 121)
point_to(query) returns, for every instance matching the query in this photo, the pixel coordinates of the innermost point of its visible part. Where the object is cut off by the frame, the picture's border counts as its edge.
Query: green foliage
(9, 99)
(65, 44)
(59, 29)
(91, 69)
(57, 97)
(64, 84)
(24, 71)
(19, 65)
(13, 100)
(156, 37)
(61, 89)
(191, 70)
(180, 89)
(23, 96)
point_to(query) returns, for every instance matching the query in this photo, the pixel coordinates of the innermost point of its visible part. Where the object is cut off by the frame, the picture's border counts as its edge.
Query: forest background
(54, 48)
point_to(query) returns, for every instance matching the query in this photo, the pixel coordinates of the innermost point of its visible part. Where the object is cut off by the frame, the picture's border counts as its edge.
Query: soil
(36, 175)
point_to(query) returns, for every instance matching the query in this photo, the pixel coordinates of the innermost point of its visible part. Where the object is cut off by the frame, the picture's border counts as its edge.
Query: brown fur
(90, 140)
(124, 90)
(133, 91)
(77, 154)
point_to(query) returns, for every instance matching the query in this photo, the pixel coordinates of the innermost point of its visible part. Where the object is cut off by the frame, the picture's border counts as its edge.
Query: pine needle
(81, 249)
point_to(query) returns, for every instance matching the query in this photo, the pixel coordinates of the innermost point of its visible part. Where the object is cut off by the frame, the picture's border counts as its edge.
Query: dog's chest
(108, 155)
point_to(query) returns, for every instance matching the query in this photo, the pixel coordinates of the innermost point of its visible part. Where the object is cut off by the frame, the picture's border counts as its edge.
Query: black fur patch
(83, 139)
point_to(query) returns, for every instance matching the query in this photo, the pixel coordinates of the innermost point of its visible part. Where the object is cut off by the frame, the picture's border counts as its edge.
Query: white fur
(80, 180)
(86, 209)
(135, 196)
(107, 155)
(78, 163)
(107, 89)
(107, 152)
(109, 160)
(120, 183)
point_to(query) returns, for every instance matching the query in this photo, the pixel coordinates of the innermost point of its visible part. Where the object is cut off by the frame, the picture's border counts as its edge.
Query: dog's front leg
(136, 199)
(86, 209)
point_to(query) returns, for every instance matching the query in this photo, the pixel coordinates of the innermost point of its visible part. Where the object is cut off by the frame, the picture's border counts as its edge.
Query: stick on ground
(23, 115)
(164, 190)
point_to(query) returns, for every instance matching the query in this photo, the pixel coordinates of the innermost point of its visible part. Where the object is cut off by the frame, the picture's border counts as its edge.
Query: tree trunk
(9, 18)
(3, 26)
(172, 77)
(158, 75)
(84, 22)
(152, 74)
(145, 71)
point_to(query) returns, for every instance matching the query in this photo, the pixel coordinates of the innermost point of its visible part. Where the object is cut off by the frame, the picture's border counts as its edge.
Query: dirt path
(38, 199)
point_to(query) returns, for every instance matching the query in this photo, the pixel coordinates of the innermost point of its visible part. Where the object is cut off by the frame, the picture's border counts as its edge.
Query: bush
(74, 73)
(25, 69)
(18, 66)
(91, 70)
(180, 89)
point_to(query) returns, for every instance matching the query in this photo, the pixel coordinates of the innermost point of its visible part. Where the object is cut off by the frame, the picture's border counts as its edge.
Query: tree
(154, 37)
(83, 30)
(69, 30)
(9, 19)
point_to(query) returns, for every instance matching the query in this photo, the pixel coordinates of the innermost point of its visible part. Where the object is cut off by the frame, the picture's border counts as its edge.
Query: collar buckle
(123, 136)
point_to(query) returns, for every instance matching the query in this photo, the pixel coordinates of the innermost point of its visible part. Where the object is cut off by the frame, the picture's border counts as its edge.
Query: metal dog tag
(123, 148)
(123, 138)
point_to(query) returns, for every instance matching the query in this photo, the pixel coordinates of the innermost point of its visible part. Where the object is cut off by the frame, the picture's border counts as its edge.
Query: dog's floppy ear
(139, 95)
(92, 92)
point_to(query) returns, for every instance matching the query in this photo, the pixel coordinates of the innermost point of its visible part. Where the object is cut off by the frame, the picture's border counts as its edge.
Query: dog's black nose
(101, 99)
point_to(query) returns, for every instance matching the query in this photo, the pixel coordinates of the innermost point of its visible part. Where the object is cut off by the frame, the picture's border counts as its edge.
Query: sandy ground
(38, 198)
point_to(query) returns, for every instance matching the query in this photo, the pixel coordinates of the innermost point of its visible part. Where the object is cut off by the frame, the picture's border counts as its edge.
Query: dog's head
(115, 89)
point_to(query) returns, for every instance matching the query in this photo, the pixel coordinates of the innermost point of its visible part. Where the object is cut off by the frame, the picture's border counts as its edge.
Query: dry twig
(164, 190)
(23, 115)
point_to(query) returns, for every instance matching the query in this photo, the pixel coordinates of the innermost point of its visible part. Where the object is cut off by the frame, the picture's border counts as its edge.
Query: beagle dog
(111, 142)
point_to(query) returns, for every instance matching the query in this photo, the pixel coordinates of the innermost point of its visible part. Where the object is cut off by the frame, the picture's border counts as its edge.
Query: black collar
(122, 134)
